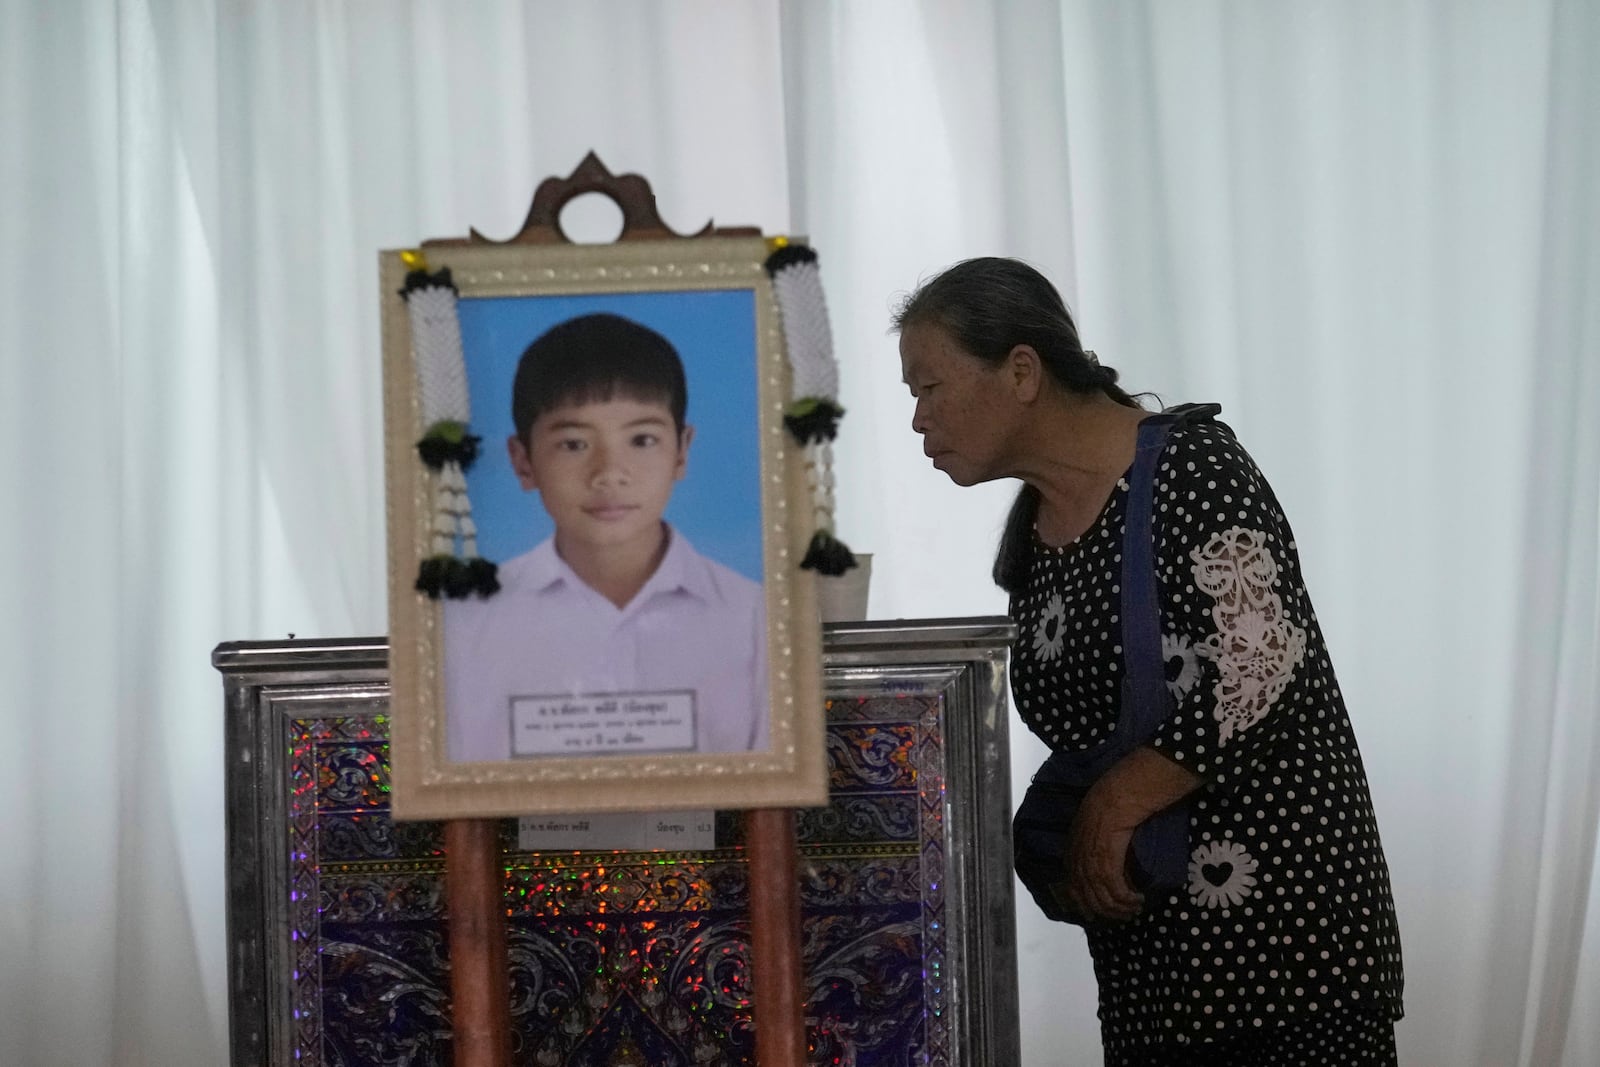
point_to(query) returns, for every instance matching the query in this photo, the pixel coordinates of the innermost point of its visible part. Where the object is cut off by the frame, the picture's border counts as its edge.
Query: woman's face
(965, 409)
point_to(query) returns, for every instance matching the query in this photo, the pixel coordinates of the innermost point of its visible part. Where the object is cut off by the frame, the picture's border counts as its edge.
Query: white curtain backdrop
(1370, 229)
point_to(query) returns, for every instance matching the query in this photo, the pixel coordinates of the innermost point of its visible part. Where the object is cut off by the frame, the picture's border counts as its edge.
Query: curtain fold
(193, 200)
(921, 134)
(1371, 230)
(1559, 666)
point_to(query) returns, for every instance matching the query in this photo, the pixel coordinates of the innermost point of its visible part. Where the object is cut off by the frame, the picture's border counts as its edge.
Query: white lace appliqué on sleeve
(1255, 648)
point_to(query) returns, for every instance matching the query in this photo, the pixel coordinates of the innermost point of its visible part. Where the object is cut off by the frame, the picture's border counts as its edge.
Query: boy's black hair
(592, 359)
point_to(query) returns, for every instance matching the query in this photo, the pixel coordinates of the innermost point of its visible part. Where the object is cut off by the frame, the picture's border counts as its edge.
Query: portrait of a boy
(613, 634)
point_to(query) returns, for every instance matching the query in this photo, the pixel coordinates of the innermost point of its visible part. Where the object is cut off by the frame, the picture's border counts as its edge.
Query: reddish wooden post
(480, 990)
(777, 977)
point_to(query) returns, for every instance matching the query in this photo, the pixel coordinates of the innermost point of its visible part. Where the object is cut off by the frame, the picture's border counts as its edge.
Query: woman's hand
(1097, 886)
(1142, 783)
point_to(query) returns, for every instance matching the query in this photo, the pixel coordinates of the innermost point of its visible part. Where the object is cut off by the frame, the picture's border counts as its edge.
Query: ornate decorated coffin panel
(338, 936)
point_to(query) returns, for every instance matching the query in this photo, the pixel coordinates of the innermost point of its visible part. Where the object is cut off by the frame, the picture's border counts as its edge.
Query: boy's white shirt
(694, 625)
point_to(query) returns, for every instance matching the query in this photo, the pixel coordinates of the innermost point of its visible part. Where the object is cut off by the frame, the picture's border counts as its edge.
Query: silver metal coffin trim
(961, 660)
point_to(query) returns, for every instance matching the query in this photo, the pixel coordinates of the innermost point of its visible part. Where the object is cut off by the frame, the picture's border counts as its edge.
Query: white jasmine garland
(813, 411)
(447, 446)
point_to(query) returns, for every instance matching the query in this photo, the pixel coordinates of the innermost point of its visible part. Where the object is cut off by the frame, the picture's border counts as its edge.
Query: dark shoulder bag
(1039, 833)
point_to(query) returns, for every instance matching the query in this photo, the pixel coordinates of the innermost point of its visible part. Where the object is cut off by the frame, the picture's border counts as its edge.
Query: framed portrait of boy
(596, 518)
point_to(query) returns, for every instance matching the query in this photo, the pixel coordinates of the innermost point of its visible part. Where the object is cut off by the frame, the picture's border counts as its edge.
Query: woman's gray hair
(990, 305)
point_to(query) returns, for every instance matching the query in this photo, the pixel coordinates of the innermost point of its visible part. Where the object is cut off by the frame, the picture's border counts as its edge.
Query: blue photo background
(718, 503)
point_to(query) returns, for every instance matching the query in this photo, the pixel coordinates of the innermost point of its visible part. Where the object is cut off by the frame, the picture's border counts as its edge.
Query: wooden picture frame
(571, 746)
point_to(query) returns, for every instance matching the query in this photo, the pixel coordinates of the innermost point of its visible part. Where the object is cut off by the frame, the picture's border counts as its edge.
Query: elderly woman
(1279, 944)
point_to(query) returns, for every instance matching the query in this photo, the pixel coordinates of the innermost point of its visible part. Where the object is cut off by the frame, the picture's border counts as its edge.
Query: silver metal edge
(982, 994)
(981, 898)
(967, 659)
(233, 657)
(325, 653)
(980, 631)
(249, 1018)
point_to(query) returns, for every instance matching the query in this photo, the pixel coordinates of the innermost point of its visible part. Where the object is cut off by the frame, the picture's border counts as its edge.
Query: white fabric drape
(1366, 229)
(1371, 230)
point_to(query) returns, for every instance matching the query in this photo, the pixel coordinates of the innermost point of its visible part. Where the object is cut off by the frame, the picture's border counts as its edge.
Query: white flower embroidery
(1221, 874)
(1177, 646)
(1256, 648)
(1051, 631)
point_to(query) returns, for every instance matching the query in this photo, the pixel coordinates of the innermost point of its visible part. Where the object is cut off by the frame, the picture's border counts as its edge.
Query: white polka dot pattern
(1331, 1038)
(1288, 911)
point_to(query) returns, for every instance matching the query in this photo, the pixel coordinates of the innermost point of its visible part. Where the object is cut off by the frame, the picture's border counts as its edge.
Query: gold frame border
(792, 773)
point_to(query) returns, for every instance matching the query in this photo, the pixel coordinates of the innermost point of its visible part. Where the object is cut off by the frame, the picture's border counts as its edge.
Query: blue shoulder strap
(1161, 843)
(1143, 665)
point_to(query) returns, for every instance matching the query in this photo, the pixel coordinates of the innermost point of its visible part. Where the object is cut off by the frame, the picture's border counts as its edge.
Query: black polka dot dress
(1287, 920)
